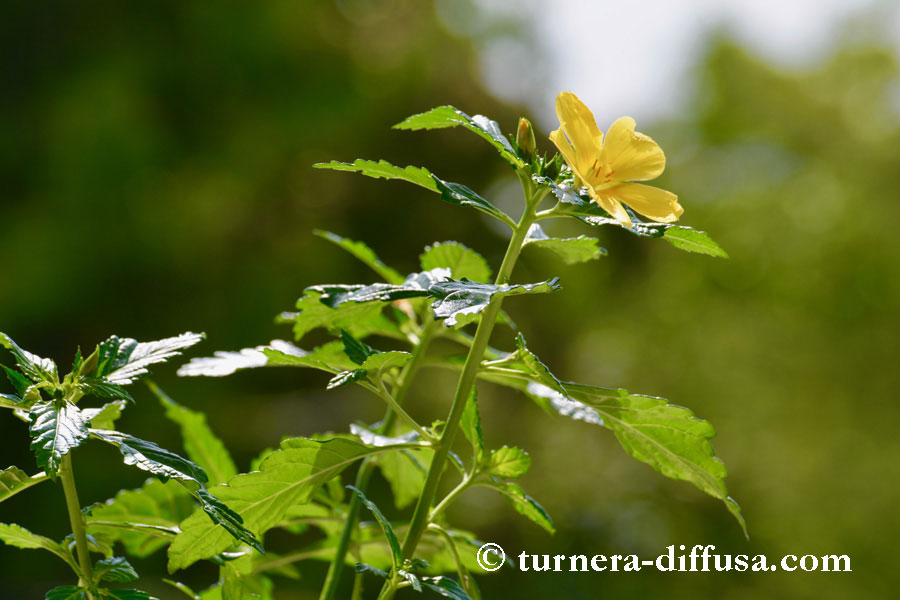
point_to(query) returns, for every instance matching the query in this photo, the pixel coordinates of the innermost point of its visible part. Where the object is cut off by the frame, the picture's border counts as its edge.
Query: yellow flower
(608, 166)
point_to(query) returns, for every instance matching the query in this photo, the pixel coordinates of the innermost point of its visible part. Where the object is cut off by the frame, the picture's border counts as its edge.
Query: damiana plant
(58, 425)
(454, 297)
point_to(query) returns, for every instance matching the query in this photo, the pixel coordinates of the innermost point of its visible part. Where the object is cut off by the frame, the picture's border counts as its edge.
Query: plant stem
(332, 579)
(75, 517)
(473, 362)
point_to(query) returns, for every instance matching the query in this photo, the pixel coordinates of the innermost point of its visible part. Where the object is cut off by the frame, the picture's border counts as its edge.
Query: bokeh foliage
(156, 166)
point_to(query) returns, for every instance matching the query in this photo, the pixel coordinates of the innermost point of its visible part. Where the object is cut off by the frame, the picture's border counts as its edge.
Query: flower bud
(525, 139)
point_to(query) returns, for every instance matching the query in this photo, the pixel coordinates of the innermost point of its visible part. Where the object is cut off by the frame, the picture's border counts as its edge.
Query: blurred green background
(155, 165)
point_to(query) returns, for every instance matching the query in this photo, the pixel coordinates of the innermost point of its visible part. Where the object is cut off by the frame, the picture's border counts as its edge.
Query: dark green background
(155, 166)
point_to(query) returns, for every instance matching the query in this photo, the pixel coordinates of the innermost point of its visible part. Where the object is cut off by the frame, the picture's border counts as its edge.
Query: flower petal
(611, 205)
(579, 126)
(654, 203)
(632, 156)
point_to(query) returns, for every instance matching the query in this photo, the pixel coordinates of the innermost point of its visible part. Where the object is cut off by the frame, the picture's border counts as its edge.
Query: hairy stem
(75, 517)
(332, 579)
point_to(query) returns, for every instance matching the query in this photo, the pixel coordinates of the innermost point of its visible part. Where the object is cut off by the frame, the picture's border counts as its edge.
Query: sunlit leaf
(386, 527)
(66, 592)
(692, 240)
(448, 116)
(384, 170)
(225, 363)
(56, 428)
(523, 503)
(149, 457)
(106, 416)
(14, 480)
(360, 320)
(445, 587)
(470, 424)
(286, 477)
(570, 250)
(508, 462)
(116, 568)
(455, 299)
(144, 520)
(18, 536)
(462, 261)
(123, 360)
(32, 366)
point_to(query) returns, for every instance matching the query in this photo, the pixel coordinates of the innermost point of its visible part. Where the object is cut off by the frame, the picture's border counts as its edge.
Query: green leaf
(667, 437)
(18, 536)
(386, 528)
(384, 170)
(470, 423)
(448, 116)
(509, 462)
(200, 443)
(10, 401)
(405, 472)
(282, 354)
(457, 299)
(66, 592)
(524, 364)
(365, 254)
(356, 350)
(286, 477)
(95, 386)
(416, 285)
(570, 250)
(13, 480)
(123, 360)
(457, 193)
(105, 417)
(56, 428)
(360, 320)
(32, 366)
(345, 378)
(461, 260)
(116, 568)
(144, 520)
(523, 503)
(445, 587)
(692, 240)
(364, 568)
(149, 457)
(22, 385)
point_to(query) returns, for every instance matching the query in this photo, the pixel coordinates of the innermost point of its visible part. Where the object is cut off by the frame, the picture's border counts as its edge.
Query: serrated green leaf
(16, 535)
(116, 568)
(95, 386)
(384, 170)
(32, 366)
(365, 254)
(364, 568)
(105, 417)
(461, 260)
(524, 364)
(56, 428)
(356, 350)
(667, 437)
(239, 583)
(200, 443)
(523, 503)
(456, 299)
(692, 240)
(509, 462)
(149, 457)
(286, 477)
(457, 193)
(379, 362)
(570, 250)
(121, 361)
(66, 592)
(19, 382)
(405, 472)
(345, 378)
(14, 480)
(445, 587)
(144, 520)
(448, 116)
(386, 528)
(470, 423)
(416, 285)
(225, 363)
(10, 401)
(360, 320)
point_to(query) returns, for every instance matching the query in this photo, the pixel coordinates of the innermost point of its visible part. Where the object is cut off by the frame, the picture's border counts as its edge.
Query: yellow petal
(579, 126)
(654, 203)
(565, 148)
(631, 156)
(612, 206)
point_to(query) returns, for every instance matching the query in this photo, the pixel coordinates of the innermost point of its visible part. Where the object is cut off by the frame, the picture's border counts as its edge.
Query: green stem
(422, 511)
(449, 498)
(332, 579)
(75, 517)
